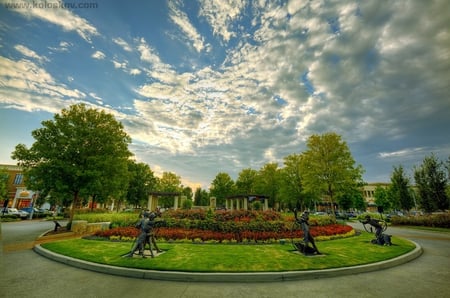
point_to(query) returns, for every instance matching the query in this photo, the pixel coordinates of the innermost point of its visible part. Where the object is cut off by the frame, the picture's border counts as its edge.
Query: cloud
(221, 14)
(119, 41)
(30, 53)
(182, 21)
(98, 55)
(28, 87)
(62, 17)
(404, 153)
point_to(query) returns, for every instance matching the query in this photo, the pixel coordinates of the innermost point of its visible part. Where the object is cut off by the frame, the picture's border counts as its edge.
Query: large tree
(267, 182)
(291, 187)
(222, 187)
(201, 197)
(169, 183)
(142, 182)
(399, 190)
(246, 181)
(328, 167)
(81, 151)
(431, 181)
(382, 199)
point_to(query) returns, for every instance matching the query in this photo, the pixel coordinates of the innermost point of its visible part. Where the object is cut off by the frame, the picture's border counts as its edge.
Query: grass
(235, 257)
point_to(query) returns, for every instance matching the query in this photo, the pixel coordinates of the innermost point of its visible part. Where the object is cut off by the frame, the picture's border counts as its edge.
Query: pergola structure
(153, 198)
(242, 201)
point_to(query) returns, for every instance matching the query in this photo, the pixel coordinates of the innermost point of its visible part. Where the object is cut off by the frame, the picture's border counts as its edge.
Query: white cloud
(29, 53)
(98, 55)
(119, 41)
(220, 14)
(135, 71)
(63, 18)
(182, 21)
(27, 85)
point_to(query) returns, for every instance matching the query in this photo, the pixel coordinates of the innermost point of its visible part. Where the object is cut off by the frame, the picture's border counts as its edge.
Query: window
(18, 179)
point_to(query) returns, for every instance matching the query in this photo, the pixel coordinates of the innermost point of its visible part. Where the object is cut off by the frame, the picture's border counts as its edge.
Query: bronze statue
(307, 237)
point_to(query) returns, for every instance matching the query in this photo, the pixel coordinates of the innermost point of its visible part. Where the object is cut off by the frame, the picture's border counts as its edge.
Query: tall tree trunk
(74, 206)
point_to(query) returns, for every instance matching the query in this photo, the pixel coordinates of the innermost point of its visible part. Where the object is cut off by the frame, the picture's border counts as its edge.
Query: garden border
(229, 277)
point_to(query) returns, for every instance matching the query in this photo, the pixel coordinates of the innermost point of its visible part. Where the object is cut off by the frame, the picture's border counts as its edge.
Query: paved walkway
(23, 273)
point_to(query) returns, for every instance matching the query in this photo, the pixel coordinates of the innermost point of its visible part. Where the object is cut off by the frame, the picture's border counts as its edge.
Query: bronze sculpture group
(146, 236)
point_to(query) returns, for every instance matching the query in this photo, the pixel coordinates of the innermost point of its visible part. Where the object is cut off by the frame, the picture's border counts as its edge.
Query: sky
(210, 86)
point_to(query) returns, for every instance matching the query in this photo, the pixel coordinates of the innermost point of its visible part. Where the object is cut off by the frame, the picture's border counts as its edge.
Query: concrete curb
(229, 277)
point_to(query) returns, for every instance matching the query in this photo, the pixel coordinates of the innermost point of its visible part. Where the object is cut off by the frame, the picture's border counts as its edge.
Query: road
(23, 273)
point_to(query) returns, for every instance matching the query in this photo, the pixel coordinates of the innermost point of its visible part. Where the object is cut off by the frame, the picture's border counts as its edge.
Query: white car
(15, 212)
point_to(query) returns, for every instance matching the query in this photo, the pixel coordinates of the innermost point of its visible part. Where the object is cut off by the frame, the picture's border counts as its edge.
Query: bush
(432, 220)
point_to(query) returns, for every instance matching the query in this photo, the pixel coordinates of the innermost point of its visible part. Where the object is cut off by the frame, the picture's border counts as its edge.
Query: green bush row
(432, 220)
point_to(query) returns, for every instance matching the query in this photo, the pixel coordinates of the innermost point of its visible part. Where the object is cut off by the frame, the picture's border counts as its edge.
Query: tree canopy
(328, 167)
(431, 180)
(82, 151)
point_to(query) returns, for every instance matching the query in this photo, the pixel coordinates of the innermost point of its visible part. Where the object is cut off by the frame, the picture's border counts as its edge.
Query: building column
(175, 203)
(245, 203)
(266, 204)
(150, 202)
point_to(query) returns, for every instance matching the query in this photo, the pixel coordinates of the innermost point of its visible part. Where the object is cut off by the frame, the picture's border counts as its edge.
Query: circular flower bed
(231, 226)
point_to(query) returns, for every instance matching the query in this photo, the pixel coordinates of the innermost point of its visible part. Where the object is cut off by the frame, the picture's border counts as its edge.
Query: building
(368, 192)
(17, 196)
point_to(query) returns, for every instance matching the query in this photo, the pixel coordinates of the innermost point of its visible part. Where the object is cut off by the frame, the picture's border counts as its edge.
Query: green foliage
(141, 182)
(291, 186)
(382, 198)
(123, 219)
(201, 197)
(222, 187)
(3, 183)
(328, 167)
(431, 180)
(399, 192)
(268, 182)
(433, 220)
(81, 152)
(246, 181)
(187, 204)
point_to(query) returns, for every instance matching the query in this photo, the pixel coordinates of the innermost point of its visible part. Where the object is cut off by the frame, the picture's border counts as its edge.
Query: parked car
(30, 209)
(351, 214)
(340, 215)
(15, 212)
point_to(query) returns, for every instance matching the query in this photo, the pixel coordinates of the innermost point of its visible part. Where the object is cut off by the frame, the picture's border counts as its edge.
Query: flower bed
(179, 234)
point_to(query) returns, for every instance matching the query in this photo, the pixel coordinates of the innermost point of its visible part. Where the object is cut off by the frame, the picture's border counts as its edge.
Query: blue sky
(213, 86)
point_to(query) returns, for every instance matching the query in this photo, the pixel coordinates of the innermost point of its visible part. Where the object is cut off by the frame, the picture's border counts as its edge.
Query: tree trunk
(74, 206)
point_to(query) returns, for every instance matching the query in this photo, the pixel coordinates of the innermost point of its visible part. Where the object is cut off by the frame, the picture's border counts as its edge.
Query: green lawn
(235, 257)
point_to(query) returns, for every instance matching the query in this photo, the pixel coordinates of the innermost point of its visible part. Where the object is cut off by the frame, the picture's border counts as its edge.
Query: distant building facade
(368, 192)
(18, 196)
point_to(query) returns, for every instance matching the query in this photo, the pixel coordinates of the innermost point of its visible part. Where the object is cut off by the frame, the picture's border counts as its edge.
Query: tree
(170, 183)
(382, 198)
(82, 151)
(399, 190)
(222, 187)
(142, 182)
(187, 191)
(245, 183)
(328, 167)
(431, 182)
(3, 184)
(201, 197)
(291, 186)
(267, 182)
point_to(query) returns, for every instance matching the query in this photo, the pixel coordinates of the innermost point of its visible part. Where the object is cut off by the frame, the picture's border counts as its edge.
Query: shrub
(433, 220)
